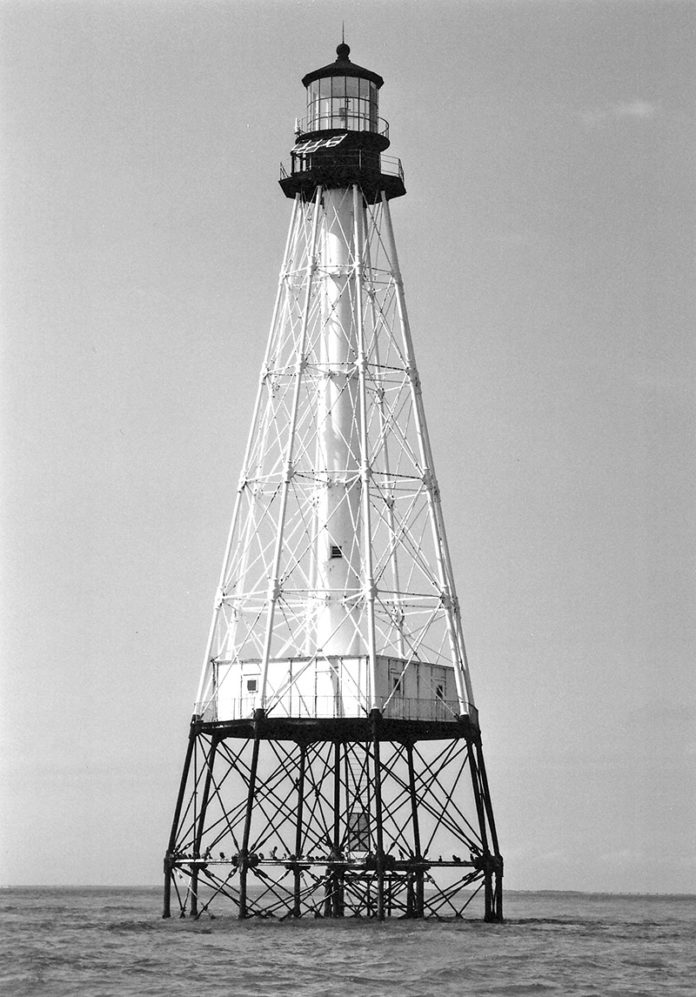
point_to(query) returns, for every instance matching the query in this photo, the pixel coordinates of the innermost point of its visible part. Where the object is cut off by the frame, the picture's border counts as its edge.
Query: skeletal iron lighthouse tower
(334, 763)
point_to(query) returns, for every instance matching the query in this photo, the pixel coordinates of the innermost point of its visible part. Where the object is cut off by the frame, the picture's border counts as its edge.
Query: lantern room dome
(342, 66)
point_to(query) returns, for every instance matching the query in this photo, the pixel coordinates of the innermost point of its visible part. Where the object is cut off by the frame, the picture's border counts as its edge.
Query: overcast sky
(547, 242)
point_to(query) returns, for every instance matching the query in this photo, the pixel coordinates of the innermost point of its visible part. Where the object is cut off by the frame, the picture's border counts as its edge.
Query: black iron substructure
(338, 818)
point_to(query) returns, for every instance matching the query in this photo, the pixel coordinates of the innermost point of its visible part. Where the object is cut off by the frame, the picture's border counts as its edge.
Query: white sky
(547, 242)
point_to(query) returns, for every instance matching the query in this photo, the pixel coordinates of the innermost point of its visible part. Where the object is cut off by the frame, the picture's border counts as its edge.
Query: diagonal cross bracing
(338, 415)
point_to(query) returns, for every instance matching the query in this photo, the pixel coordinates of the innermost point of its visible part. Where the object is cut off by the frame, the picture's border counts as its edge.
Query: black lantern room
(341, 140)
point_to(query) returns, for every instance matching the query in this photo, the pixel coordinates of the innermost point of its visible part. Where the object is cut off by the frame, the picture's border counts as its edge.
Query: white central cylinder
(338, 574)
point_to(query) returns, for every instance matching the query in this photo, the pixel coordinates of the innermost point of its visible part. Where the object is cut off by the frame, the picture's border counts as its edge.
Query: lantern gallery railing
(341, 118)
(303, 161)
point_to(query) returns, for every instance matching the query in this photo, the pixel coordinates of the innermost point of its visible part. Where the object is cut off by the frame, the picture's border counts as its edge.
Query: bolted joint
(430, 482)
(488, 863)
(414, 378)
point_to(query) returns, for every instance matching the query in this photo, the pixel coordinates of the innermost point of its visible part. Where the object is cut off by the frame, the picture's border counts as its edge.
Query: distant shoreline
(508, 892)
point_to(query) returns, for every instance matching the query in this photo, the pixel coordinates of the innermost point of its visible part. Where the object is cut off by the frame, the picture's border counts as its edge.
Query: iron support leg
(498, 909)
(201, 827)
(476, 785)
(488, 894)
(244, 853)
(493, 867)
(416, 897)
(166, 910)
(379, 857)
(497, 873)
(485, 857)
(336, 843)
(168, 859)
(337, 875)
(297, 912)
(486, 797)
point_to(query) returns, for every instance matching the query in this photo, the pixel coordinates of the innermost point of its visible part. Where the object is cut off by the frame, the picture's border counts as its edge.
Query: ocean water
(105, 942)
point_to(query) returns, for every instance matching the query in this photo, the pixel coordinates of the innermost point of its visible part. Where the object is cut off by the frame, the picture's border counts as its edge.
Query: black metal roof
(342, 67)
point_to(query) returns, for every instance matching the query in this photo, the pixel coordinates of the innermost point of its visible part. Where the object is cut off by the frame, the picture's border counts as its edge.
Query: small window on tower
(251, 685)
(440, 692)
(336, 551)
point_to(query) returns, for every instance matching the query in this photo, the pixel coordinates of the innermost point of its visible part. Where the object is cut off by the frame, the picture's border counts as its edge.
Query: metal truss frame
(274, 827)
(399, 595)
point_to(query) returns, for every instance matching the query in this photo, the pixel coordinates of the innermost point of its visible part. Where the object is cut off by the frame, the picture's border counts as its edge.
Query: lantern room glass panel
(342, 102)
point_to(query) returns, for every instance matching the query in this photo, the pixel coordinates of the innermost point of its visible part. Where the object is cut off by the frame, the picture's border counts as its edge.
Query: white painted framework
(337, 594)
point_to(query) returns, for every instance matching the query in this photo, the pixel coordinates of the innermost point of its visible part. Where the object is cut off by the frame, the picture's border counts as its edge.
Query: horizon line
(158, 886)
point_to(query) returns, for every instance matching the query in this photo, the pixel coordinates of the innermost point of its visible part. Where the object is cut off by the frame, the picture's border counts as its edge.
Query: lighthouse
(334, 764)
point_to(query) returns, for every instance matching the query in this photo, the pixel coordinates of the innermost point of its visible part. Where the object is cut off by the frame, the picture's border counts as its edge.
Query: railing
(392, 167)
(335, 707)
(352, 159)
(350, 121)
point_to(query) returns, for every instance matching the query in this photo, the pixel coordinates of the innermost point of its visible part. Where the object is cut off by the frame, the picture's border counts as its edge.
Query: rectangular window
(336, 551)
(251, 685)
(352, 86)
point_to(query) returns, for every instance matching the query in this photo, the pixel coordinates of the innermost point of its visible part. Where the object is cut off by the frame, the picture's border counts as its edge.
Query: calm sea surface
(112, 941)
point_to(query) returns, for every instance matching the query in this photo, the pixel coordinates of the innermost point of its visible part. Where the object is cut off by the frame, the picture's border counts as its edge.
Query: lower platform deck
(340, 730)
